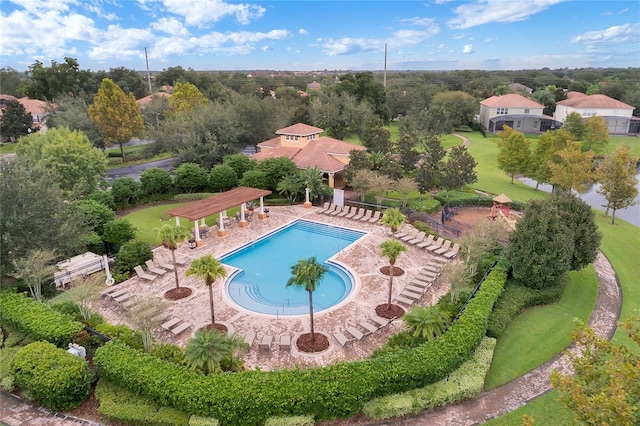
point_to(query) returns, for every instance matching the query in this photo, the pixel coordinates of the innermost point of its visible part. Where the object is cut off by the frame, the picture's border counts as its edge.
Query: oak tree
(574, 168)
(618, 181)
(596, 131)
(116, 114)
(513, 153)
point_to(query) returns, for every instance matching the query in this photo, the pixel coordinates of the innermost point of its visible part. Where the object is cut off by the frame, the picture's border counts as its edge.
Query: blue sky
(317, 35)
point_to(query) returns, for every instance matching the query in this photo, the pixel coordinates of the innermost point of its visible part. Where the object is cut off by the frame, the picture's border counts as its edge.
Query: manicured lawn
(540, 333)
(7, 148)
(449, 141)
(546, 410)
(149, 219)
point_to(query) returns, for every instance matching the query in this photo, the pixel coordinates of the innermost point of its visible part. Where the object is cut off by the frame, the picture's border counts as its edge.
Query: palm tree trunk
(213, 316)
(175, 266)
(313, 336)
(391, 272)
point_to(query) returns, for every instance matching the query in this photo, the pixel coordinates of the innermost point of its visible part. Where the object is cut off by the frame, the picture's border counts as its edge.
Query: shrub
(290, 421)
(190, 177)
(51, 376)
(7, 380)
(131, 254)
(125, 191)
(155, 180)
(122, 333)
(193, 197)
(104, 197)
(37, 320)
(222, 178)
(254, 179)
(423, 227)
(240, 163)
(250, 397)
(427, 205)
(202, 421)
(119, 231)
(119, 405)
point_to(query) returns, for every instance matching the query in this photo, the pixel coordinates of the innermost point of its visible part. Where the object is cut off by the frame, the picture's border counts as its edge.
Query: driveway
(135, 170)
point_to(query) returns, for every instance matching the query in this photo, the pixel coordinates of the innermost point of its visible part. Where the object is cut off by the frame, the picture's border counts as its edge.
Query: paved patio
(363, 258)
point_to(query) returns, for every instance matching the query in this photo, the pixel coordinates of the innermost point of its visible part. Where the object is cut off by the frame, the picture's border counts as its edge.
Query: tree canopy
(15, 121)
(513, 154)
(618, 181)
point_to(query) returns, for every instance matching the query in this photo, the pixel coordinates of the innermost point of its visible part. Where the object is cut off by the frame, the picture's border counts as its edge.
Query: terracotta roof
(8, 98)
(318, 153)
(218, 203)
(594, 101)
(148, 99)
(33, 106)
(299, 129)
(511, 100)
(572, 95)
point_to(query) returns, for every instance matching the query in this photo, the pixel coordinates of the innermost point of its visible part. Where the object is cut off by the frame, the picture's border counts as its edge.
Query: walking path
(15, 411)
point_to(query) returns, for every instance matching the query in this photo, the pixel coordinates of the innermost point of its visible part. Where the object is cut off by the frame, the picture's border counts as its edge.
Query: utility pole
(146, 57)
(384, 76)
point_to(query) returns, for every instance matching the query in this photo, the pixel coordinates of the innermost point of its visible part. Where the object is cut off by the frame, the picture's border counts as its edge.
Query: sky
(321, 35)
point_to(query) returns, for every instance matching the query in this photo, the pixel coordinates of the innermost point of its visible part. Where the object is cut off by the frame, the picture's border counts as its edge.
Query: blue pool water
(265, 268)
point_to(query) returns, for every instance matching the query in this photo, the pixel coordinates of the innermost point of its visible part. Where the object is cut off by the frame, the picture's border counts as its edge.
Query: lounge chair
(360, 214)
(285, 342)
(366, 216)
(436, 245)
(338, 210)
(352, 213)
(162, 264)
(357, 334)
(375, 217)
(332, 208)
(249, 337)
(381, 322)
(182, 327)
(345, 211)
(418, 239)
(265, 343)
(453, 252)
(445, 248)
(172, 323)
(409, 235)
(404, 230)
(142, 274)
(325, 207)
(427, 242)
(368, 327)
(341, 338)
(151, 267)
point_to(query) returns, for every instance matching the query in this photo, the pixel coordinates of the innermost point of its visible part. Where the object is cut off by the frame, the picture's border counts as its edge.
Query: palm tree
(209, 269)
(393, 218)
(391, 249)
(170, 236)
(207, 349)
(308, 273)
(427, 322)
(313, 182)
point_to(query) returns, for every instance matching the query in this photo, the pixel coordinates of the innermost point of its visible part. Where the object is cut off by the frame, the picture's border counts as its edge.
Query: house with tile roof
(306, 148)
(516, 111)
(35, 107)
(618, 115)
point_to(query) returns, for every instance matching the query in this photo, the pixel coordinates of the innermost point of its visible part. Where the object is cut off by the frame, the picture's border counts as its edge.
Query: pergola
(197, 211)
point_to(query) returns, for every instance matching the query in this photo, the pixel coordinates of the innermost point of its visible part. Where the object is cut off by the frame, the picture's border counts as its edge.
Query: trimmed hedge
(466, 382)
(290, 421)
(37, 320)
(51, 376)
(514, 300)
(478, 200)
(336, 391)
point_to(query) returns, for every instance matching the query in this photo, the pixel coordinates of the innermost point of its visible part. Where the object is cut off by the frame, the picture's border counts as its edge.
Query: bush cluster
(464, 199)
(335, 391)
(463, 383)
(37, 320)
(427, 205)
(290, 421)
(51, 376)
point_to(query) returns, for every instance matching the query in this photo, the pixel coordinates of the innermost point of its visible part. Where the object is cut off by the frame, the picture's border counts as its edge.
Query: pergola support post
(243, 222)
(221, 232)
(262, 214)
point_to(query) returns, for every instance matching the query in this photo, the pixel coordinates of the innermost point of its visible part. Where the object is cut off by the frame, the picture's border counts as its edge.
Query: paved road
(135, 170)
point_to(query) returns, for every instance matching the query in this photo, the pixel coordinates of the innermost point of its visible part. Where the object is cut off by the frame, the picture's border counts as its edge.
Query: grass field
(7, 148)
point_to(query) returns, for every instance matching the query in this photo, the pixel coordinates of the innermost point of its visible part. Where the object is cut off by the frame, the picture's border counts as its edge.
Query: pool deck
(362, 257)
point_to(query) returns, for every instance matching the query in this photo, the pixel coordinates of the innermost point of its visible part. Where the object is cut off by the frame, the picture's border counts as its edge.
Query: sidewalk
(18, 412)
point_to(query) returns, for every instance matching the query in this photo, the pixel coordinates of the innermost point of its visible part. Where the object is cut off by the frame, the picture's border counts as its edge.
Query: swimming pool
(264, 267)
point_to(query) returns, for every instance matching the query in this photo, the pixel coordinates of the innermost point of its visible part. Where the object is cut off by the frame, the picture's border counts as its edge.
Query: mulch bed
(220, 327)
(396, 271)
(395, 311)
(178, 293)
(304, 343)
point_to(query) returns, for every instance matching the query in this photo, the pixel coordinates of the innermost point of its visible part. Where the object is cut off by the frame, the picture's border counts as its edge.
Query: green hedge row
(336, 391)
(36, 319)
(514, 300)
(473, 201)
(465, 382)
(51, 376)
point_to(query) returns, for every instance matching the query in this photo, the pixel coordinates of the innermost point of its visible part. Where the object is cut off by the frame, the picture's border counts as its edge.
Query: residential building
(516, 111)
(617, 114)
(306, 148)
(35, 107)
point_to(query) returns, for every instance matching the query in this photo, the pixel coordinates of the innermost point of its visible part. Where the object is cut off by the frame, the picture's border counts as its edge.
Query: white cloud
(458, 36)
(410, 37)
(118, 42)
(302, 31)
(627, 33)
(203, 12)
(349, 46)
(419, 22)
(170, 26)
(467, 49)
(490, 39)
(482, 12)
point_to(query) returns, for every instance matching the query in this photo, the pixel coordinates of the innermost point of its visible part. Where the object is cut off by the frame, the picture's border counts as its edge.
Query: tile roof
(299, 129)
(319, 153)
(594, 101)
(511, 100)
(149, 98)
(572, 95)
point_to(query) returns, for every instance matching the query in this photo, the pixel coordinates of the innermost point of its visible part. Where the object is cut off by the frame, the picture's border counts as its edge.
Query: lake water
(597, 201)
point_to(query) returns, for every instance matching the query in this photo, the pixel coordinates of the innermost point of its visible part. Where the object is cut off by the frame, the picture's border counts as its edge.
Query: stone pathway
(15, 411)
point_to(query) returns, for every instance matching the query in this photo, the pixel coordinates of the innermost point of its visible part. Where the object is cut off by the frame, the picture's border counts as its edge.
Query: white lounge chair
(142, 274)
(360, 214)
(265, 343)
(375, 217)
(325, 207)
(405, 228)
(445, 248)
(366, 216)
(427, 242)
(151, 267)
(285, 342)
(338, 210)
(436, 245)
(163, 264)
(409, 235)
(352, 213)
(453, 252)
(418, 239)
